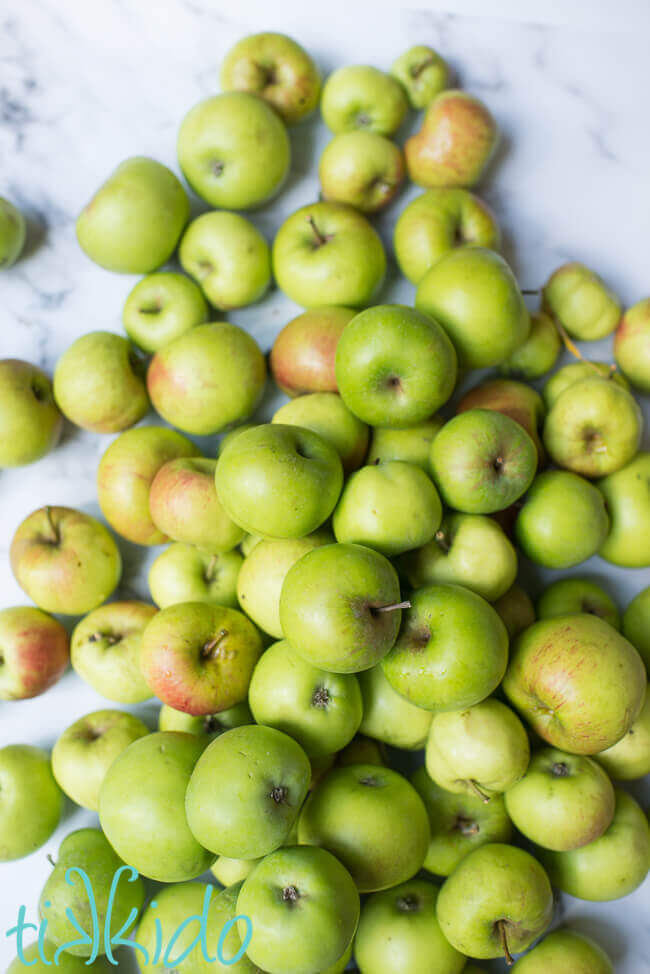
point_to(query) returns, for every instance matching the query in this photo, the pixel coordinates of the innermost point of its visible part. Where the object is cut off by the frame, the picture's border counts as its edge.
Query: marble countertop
(83, 86)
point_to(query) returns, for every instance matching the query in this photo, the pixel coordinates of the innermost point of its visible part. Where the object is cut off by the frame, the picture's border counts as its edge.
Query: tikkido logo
(98, 937)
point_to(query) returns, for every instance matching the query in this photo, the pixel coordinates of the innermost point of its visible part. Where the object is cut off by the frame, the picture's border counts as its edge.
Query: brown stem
(51, 861)
(442, 541)
(417, 69)
(321, 238)
(392, 607)
(573, 349)
(208, 650)
(56, 537)
(503, 938)
(478, 791)
(529, 290)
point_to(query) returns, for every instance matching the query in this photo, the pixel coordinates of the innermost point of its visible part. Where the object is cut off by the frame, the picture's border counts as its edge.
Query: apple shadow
(35, 235)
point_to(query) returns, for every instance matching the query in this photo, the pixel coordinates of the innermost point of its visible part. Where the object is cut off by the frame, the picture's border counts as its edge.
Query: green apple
(262, 575)
(581, 302)
(30, 421)
(182, 573)
(99, 383)
(451, 652)
(388, 717)
(496, 902)
(568, 596)
(228, 871)
(565, 952)
(568, 375)
(578, 682)
(371, 819)
(611, 866)
(210, 724)
(539, 352)
(250, 540)
(277, 69)
(228, 256)
(358, 96)
(412, 444)
(87, 850)
(459, 821)
(469, 550)
(455, 144)
(636, 624)
(66, 963)
(473, 294)
(626, 494)
(516, 610)
(13, 231)
(85, 751)
(124, 476)
(423, 74)
(35, 652)
(303, 354)
(543, 804)
(438, 221)
(328, 253)
(392, 507)
(268, 776)
(514, 399)
(65, 560)
(199, 657)
(340, 607)
(394, 366)
(632, 345)
(303, 909)
(361, 750)
(105, 650)
(325, 413)
(399, 933)
(234, 150)
(134, 221)
(142, 807)
(31, 802)
(563, 520)
(162, 307)
(630, 757)
(362, 169)
(320, 710)
(279, 481)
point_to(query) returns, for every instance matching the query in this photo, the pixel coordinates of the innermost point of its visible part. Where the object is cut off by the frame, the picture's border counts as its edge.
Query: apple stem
(50, 860)
(479, 792)
(209, 572)
(530, 290)
(56, 538)
(208, 651)
(501, 926)
(575, 351)
(417, 69)
(320, 238)
(391, 608)
(442, 541)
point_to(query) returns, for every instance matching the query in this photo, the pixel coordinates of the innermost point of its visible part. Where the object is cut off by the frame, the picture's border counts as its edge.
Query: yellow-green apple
(362, 169)
(539, 352)
(632, 345)
(303, 354)
(570, 595)
(234, 150)
(161, 307)
(627, 495)
(387, 716)
(581, 302)
(229, 871)
(207, 724)
(35, 652)
(65, 560)
(30, 421)
(630, 757)
(568, 375)
(31, 802)
(412, 444)
(134, 221)
(565, 952)
(636, 624)
(423, 74)
(514, 399)
(183, 573)
(67, 963)
(516, 610)
(105, 650)
(325, 413)
(358, 96)
(13, 231)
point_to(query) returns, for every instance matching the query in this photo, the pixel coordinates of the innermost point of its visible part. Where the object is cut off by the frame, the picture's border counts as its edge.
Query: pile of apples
(339, 586)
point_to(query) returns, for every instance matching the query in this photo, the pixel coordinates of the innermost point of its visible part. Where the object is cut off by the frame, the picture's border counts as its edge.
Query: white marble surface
(83, 85)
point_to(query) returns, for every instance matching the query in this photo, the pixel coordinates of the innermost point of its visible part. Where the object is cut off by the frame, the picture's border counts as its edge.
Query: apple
(563, 520)
(262, 575)
(86, 749)
(340, 607)
(99, 383)
(423, 74)
(67, 963)
(469, 550)
(35, 652)
(325, 413)
(581, 302)
(362, 169)
(611, 866)
(496, 902)
(277, 69)
(13, 231)
(577, 682)
(632, 345)
(636, 624)
(207, 724)
(358, 96)
(234, 150)
(630, 757)
(328, 253)
(31, 802)
(438, 221)
(134, 221)
(568, 375)
(516, 610)
(371, 819)
(543, 804)
(279, 481)
(412, 444)
(388, 717)
(320, 710)
(473, 294)
(514, 399)
(66, 561)
(565, 952)
(124, 476)
(230, 871)
(451, 652)
(250, 540)
(198, 657)
(302, 908)
(626, 494)
(361, 750)
(568, 596)
(460, 822)
(207, 379)
(162, 307)
(455, 144)
(399, 933)
(30, 421)
(303, 354)
(394, 366)
(539, 352)
(183, 573)
(105, 650)
(228, 256)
